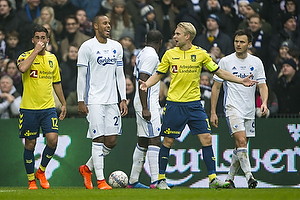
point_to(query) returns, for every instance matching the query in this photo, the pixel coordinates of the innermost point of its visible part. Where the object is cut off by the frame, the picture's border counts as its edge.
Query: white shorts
(104, 120)
(236, 123)
(150, 128)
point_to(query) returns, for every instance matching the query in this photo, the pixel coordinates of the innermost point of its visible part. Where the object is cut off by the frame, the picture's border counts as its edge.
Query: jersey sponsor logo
(241, 75)
(174, 69)
(34, 73)
(104, 61)
(193, 58)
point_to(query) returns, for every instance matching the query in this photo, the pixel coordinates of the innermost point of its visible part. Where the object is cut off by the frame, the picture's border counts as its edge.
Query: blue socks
(209, 159)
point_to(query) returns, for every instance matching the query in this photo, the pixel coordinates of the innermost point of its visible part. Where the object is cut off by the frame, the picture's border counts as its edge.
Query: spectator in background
(260, 39)
(251, 9)
(2, 43)
(134, 7)
(106, 7)
(10, 99)
(130, 90)
(275, 67)
(242, 6)
(64, 8)
(47, 16)
(185, 14)
(52, 44)
(13, 49)
(165, 18)
(216, 51)
(85, 25)
(230, 19)
(8, 18)
(287, 88)
(205, 90)
(12, 71)
(69, 70)
(211, 7)
(291, 7)
(91, 7)
(26, 17)
(73, 35)
(214, 35)
(294, 53)
(289, 31)
(119, 19)
(126, 40)
(149, 23)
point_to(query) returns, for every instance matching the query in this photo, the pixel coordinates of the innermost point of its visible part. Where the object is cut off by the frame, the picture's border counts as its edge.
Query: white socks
(137, 164)
(153, 152)
(98, 159)
(242, 155)
(234, 167)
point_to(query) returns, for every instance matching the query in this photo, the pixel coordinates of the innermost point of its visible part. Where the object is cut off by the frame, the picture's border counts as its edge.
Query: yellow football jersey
(38, 80)
(185, 68)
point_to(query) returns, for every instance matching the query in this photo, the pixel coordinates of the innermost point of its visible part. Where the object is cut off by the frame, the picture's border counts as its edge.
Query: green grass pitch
(177, 193)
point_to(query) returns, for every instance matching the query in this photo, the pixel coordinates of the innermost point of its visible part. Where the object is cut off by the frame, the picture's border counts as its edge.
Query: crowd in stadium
(273, 23)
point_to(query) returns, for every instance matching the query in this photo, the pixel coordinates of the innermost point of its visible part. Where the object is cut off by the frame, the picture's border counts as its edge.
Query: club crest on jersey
(51, 63)
(193, 58)
(174, 69)
(34, 73)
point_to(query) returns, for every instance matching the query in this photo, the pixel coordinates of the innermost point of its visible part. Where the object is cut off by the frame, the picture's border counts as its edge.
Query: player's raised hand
(143, 85)
(39, 46)
(248, 81)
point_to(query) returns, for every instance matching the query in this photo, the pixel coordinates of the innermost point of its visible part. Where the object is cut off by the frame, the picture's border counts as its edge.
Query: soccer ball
(118, 179)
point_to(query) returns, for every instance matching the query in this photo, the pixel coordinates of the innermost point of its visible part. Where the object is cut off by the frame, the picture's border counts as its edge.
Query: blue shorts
(177, 114)
(30, 122)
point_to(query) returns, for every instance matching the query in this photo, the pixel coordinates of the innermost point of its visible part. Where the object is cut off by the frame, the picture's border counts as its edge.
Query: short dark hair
(154, 36)
(71, 17)
(244, 32)
(12, 33)
(39, 28)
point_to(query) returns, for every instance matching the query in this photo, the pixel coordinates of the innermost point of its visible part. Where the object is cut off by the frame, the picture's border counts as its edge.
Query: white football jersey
(236, 95)
(102, 61)
(147, 62)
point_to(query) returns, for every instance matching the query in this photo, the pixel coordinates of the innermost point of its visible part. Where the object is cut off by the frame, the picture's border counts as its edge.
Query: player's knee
(241, 142)
(155, 141)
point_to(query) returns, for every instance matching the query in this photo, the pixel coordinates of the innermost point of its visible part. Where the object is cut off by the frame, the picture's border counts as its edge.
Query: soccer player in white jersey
(239, 102)
(100, 78)
(147, 107)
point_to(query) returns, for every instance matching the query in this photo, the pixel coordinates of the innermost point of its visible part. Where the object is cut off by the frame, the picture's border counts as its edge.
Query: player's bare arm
(143, 97)
(263, 90)
(59, 92)
(215, 91)
(247, 82)
(150, 82)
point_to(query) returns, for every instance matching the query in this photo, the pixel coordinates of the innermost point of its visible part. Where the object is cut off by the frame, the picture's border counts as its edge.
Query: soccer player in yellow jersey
(40, 75)
(183, 101)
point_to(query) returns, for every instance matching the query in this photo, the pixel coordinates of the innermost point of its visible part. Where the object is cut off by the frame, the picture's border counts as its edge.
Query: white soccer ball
(118, 179)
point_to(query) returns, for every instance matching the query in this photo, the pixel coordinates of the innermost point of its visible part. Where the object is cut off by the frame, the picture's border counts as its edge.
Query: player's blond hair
(188, 29)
